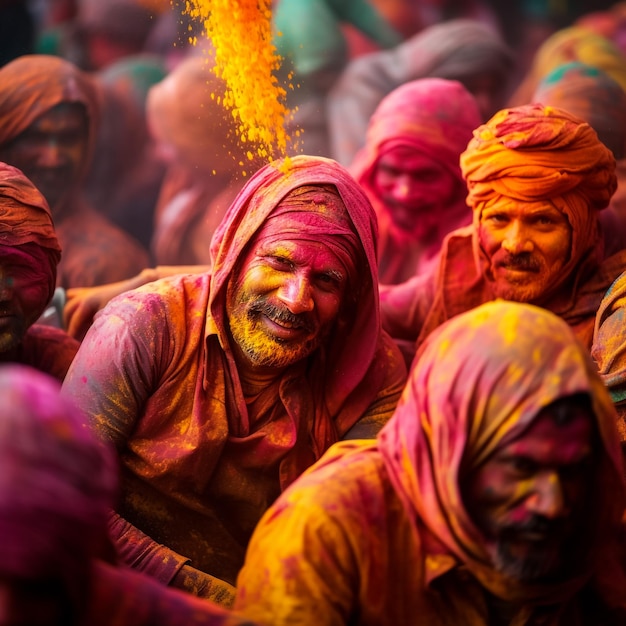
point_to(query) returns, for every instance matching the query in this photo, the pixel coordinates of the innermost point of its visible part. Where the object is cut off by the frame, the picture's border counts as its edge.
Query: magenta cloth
(57, 482)
(435, 117)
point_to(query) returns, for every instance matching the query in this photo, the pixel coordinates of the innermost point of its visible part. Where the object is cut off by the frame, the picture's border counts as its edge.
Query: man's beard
(264, 349)
(551, 558)
(534, 285)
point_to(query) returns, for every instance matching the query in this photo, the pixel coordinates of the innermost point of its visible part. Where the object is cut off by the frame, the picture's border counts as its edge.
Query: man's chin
(518, 292)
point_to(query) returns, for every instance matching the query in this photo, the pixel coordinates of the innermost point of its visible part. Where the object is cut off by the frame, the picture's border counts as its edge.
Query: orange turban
(535, 152)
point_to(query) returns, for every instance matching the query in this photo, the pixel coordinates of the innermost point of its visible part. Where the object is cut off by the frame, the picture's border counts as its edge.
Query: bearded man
(219, 389)
(538, 178)
(493, 496)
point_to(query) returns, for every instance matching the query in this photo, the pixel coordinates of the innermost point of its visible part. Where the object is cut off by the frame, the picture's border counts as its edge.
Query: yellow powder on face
(246, 59)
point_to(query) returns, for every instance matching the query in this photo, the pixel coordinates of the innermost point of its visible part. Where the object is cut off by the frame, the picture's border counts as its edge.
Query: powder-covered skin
(95, 251)
(431, 118)
(523, 155)
(378, 533)
(156, 374)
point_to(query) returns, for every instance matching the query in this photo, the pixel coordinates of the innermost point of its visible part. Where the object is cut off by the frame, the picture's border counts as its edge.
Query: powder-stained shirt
(156, 376)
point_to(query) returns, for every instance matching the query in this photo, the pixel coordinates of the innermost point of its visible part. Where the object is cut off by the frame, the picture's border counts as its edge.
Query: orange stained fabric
(609, 343)
(33, 84)
(525, 153)
(26, 230)
(30, 86)
(435, 117)
(185, 113)
(25, 219)
(591, 94)
(574, 43)
(156, 376)
(377, 533)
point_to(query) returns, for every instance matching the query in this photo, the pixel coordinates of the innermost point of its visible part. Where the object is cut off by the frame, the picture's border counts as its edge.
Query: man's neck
(254, 379)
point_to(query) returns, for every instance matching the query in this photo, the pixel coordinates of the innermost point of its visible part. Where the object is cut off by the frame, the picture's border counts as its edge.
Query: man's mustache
(524, 262)
(536, 525)
(281, 315)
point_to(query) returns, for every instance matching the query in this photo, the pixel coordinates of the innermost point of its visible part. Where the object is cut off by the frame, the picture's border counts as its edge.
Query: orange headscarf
(478, 382)
(33, 84)
(536, 152)
(25, 221)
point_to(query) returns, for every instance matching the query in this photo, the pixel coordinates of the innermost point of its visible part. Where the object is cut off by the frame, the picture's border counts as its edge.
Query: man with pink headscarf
(538, 178)
(57, 484)
(493, 496)
(409, 169)
(219, 389)
(29, 254)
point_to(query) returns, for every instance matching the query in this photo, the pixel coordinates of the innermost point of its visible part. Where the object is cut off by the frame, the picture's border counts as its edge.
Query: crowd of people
(378, 379)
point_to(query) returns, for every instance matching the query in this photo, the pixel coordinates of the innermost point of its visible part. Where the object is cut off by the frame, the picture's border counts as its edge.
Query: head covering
(57, 483)
(347, 356)
(591, 94)
(185, 110)
(533, 153)
(573, 43)
(33, 84)
(456, 50)
(25, 220)
(435, 117)
(478, 383)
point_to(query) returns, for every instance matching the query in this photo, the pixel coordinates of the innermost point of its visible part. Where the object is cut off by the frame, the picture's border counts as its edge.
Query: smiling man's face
(284, 300)
(527, 245)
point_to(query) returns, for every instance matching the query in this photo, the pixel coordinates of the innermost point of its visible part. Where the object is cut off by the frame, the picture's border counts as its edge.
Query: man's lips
(282, 323)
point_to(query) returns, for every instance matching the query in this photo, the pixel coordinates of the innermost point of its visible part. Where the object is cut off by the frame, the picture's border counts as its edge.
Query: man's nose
(296, 294)
(516, 239)
(51, 154)
(548, 499)
(401, 188)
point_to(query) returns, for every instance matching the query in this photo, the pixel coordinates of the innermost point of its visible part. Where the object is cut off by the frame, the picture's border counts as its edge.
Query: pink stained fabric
(56, 485)
(156, 375)
(435, 117)
(30, 86)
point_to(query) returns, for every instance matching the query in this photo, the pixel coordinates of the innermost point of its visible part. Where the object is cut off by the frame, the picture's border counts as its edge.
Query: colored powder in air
(246, 59)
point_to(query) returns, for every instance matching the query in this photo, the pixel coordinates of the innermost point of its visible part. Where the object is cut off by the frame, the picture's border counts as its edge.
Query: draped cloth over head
(574, 43)
(536, 153)
(454, 49)
(57, 483)
(25, 220)
(33, 84)
(435, 117)
(478, 382)
(342, 364)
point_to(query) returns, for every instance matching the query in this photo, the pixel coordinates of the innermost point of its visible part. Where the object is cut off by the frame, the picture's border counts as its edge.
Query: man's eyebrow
(335, 274)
